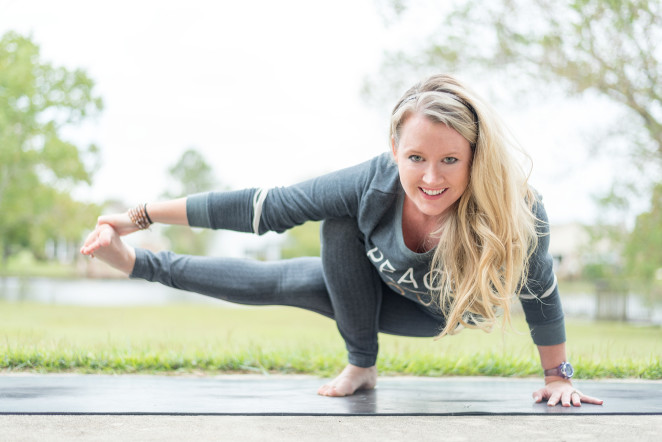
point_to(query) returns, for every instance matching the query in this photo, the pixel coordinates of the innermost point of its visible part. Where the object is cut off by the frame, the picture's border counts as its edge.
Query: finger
(591, 400)
(90, 242)
(119, 221)
(94, 243)
(90, 238)
(103, 219)
(554, 399)
(576, 399)
(100, 237)
(90, 248)
(565, 398)
(105, 235)
(539, 395)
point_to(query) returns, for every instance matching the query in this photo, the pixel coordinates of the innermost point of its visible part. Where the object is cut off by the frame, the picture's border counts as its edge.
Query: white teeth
(433, 192)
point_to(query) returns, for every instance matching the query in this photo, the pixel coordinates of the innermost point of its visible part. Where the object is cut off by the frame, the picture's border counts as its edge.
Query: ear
(394, 150)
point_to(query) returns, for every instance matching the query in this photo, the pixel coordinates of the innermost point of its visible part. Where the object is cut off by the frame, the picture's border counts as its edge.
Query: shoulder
(384, 173)
(539, 211)
(379, 173)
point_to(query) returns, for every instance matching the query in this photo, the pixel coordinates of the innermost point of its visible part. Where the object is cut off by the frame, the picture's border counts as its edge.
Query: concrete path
(493, 428)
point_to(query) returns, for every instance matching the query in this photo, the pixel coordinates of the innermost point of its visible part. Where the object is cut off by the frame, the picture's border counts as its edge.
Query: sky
(268, 92)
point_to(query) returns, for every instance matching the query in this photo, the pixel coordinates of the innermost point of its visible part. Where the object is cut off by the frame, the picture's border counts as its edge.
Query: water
(127, 292)
(636, 308)
(96, 292)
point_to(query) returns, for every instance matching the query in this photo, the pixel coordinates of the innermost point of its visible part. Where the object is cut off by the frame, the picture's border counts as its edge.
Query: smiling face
(434, 162)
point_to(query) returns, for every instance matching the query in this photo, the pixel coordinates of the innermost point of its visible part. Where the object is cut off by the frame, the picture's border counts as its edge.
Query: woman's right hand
(120, 222)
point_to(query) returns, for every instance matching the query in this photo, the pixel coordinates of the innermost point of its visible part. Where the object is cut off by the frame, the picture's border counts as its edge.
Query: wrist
(139, 216)
(550, 379)
(563, 371)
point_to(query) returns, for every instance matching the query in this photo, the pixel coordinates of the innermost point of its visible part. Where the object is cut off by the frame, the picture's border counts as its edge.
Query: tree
(643, 248)
(608, 47)
(190, 174)
(38, 168)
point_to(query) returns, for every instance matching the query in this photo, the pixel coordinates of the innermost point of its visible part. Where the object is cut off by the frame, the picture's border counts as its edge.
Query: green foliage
(38, 168)
(643, 249)
(189, 175)
(600, 265)
(303, 240)
(637, 254)
(188, 241)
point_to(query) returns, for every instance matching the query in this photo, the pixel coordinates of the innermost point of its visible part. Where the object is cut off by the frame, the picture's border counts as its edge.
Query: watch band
(564, 370)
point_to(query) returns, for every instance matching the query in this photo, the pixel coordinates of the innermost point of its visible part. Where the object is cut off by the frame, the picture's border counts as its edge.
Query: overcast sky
(267, 91)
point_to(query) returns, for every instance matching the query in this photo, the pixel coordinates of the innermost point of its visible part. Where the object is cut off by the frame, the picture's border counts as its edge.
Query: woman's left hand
(563, 391)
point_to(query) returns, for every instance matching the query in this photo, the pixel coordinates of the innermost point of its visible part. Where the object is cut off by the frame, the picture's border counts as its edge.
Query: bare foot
(351, 379)
(105, 244)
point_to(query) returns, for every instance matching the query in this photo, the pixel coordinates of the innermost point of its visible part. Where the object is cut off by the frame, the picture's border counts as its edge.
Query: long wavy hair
(488, 236)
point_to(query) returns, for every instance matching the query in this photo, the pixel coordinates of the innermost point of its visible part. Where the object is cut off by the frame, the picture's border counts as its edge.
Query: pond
(128, 292)
(96, 292)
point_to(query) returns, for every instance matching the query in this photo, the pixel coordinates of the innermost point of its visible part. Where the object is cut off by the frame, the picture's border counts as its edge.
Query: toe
(330, 391)
(323, 390)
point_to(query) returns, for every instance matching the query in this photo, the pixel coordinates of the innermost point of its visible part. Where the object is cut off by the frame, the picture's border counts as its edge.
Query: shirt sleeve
(540, 295)
(334, 195)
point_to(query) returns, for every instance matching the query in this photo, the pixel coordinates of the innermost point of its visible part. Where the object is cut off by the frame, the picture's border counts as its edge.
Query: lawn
(209, 339)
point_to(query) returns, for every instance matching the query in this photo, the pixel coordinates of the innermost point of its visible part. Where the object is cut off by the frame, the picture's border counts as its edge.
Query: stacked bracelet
(139, 216)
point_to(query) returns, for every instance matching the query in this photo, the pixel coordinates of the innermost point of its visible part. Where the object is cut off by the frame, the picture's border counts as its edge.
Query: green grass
(209, 339)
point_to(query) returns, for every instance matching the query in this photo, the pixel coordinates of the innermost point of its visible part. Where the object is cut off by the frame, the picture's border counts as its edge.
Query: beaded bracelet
(138, 215)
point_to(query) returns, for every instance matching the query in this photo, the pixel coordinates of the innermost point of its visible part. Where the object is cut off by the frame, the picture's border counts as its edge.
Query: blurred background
(107, 105)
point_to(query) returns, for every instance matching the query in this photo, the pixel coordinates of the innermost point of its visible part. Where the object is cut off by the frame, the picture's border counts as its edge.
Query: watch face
(567, 370)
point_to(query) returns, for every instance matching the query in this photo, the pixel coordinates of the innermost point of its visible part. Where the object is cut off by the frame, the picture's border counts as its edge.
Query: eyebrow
(418, 151)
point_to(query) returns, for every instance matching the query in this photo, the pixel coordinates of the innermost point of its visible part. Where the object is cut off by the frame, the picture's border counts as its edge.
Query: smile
(433, 192)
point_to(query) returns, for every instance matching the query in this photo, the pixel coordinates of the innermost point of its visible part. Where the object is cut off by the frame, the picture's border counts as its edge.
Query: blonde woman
(438, 234)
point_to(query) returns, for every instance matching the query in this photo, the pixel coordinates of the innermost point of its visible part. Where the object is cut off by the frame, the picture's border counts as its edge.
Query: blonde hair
(488, 236)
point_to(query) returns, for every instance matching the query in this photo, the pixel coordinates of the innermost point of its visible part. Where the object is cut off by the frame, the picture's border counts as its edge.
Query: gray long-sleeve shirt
(372, 194)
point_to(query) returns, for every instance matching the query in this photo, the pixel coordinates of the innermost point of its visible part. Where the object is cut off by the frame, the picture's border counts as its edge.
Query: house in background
(568, 243)
(571, 247)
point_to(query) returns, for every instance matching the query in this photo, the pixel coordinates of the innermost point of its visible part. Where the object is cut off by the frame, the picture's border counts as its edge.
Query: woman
(434, 236)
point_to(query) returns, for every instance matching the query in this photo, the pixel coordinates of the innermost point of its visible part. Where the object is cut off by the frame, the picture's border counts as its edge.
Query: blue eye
(416, 158)
(449, 160)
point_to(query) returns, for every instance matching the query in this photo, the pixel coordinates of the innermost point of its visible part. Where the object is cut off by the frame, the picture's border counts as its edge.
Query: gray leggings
(342, 285)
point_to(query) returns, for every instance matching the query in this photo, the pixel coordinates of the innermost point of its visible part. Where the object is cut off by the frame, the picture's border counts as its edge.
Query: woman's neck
(418, 228)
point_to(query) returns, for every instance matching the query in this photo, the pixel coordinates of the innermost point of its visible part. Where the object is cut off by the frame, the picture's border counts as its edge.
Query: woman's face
(434, 163)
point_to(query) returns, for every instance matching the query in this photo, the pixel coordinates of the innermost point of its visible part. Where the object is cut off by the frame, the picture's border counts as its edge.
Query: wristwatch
(564, 370)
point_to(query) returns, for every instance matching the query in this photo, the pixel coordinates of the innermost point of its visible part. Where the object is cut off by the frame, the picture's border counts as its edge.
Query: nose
(433, 174)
